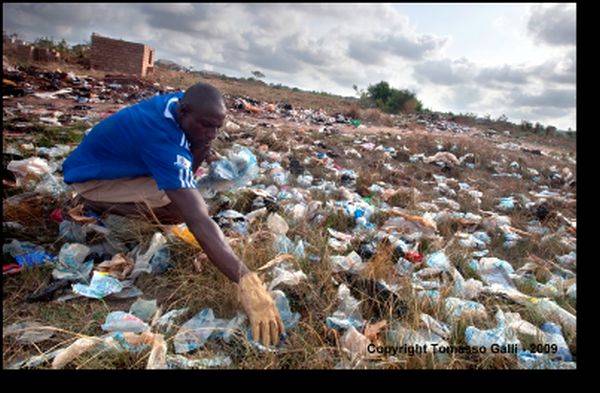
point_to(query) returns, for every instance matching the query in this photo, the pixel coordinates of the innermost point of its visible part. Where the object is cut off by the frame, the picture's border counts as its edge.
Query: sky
(511, 59)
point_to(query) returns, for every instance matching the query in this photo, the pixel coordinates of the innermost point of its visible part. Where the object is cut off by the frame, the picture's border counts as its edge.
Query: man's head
(201, 112)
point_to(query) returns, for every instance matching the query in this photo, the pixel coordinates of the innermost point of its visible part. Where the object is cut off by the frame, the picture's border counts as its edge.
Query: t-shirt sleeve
(169, 164)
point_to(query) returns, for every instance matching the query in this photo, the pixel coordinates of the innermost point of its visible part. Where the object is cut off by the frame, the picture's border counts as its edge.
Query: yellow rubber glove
(259, 305)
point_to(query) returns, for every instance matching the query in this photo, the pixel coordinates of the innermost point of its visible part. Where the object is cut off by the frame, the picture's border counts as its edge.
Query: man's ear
(183, 108)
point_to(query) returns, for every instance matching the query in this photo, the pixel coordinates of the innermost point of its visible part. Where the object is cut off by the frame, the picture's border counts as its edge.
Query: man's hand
(259, 305)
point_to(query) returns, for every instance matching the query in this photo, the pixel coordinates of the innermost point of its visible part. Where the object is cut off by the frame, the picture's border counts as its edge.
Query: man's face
(202, 128)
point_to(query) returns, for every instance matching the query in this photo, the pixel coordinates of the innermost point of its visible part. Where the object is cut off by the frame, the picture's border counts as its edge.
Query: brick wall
(120, 56)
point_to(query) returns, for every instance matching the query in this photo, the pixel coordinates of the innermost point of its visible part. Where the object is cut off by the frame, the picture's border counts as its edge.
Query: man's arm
(264, 317)
(194, 211)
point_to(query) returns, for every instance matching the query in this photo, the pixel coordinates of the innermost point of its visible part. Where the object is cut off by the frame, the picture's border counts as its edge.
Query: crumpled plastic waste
(432, 325)
(35, 166)
(277, 224)
(458, 308)
(506, 204)
(54, 151)
(51, 184)
(540, 361)
(27, 254)
(29, 332)
(144, 309)
(283, 245)
(283, 274)
(401, 335)
(494, 271)
(351, 263)
(554, 335)
(289, 318)
(348, 312)
(234, 220)
(194, 333)
(120, 266)
(71, 265)
(181, 362)
(167, 321)
(438, 260)
(237, 170)
(101, 285)
(142, 261)
(501, 335)
(121, 321)
(71, 232)
(354, 342)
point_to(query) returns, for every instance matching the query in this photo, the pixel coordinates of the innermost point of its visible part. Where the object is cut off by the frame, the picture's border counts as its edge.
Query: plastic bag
(101, 285)
(181, 362)
(277, 224)
(494, 271)
(31, 166)
(70, 265)
(71, 232)
(501, 335)
(438, 260)
(284, 275)
(29, 332)
(351, 263)
(348, 312)
(166, 322)
(458, 308)
(143, 309)
(120, 321)
(236, 171)
(194, 333)
(289, 318)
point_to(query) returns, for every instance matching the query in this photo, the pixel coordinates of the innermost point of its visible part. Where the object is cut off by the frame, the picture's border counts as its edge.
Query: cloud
(445, 72)
(553, 25)
(376, 51)
(550, 98)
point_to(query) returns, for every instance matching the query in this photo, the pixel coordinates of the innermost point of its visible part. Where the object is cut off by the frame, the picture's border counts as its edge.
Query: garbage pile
(459, 256)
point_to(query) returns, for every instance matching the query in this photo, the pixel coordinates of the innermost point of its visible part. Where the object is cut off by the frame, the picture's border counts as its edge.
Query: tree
(392, 100)
(258, 74)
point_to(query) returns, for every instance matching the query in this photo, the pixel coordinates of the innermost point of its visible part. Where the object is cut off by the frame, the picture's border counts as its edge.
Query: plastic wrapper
(29, 332)
(284, 275)
(348, 312)
(71, 232)
(101, 285)
(167, 321)
(237, 170)
(501, 335)
(458, 308)
(194, 333)
(71, 265)
(120, 321)
(181, 362)
(143, 309)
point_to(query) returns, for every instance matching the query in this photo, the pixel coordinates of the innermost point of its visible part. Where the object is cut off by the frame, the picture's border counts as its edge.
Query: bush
(391, 100)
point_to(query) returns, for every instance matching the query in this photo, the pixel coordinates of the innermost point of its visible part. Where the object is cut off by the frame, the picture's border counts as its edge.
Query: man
(146, 155)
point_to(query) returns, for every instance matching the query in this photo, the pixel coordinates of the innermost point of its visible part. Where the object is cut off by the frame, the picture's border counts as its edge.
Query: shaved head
(204, 100)
(200, 113)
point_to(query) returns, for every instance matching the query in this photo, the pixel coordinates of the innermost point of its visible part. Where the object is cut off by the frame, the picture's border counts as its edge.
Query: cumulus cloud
(330, 47)
(553, 24)
(445, 72)
(549, 98)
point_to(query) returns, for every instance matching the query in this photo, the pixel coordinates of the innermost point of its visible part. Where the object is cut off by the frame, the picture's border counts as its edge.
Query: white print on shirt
(186, 177)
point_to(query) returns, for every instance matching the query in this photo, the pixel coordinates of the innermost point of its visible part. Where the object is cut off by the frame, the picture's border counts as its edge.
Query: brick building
(121, 56)
(24, 51)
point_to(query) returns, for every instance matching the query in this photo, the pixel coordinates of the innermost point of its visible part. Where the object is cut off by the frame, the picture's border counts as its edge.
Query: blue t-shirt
(140, 140)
